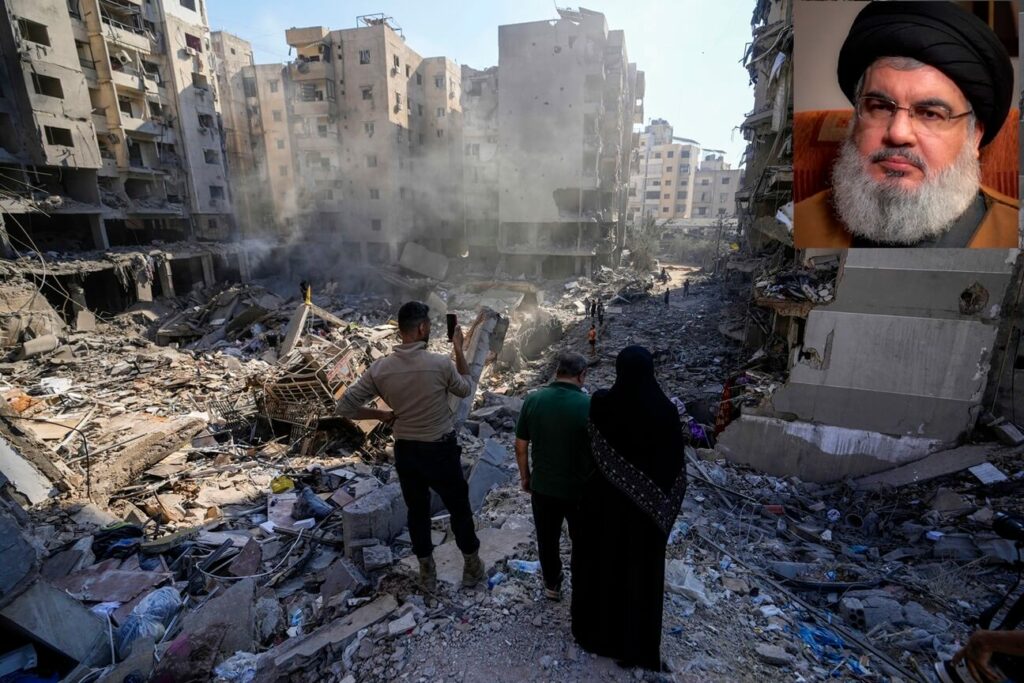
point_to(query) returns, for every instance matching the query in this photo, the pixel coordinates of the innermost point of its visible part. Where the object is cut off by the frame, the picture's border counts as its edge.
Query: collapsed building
(568, 98)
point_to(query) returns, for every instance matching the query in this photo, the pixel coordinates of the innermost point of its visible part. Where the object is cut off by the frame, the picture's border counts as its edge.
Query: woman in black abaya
(628, 507)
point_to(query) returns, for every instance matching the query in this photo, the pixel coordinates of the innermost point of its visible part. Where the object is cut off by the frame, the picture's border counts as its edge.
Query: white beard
(884, 212)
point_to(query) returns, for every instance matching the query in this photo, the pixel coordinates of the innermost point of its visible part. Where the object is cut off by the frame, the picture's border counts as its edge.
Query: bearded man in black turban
(931, 85)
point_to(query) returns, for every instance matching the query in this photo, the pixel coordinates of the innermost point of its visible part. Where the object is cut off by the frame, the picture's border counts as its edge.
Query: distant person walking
(627, 509)
(593, 308)
(592, 339)
(600, 313)
(664, 275)
(552, 428)
(686, 287)
(666, 296)
(586, 307)
(417, 385)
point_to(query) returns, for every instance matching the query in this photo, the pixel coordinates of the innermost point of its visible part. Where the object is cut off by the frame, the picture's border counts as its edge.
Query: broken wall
(894, 369)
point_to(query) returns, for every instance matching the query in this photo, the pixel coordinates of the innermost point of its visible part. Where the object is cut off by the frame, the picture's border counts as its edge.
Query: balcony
(141, 127)
(312, 107)
(308, 71)
(128, 79)
(124, 35)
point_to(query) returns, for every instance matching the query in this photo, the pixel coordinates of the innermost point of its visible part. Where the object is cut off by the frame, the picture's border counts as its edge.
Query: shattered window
(277, 115)
(419, 109)
(249, 87)
(216, 192)
(725, 180)
(364, 56)
(33, 32)
(273, 85)
(440, 133)
(419, 79)
(657, 155)
(439, 82)
(440, 112)
(367, 93)
(59, 136)
(668, 169)
(193, 42)
(671, 153)
(368, 128)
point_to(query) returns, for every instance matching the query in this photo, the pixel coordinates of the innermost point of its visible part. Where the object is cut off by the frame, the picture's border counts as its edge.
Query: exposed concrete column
(486, 335)
(163, 272)
(99, 232)
(244, 268)
(207, 262)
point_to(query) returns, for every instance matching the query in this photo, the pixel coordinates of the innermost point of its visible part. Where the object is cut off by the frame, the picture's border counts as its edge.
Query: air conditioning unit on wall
(122, 57)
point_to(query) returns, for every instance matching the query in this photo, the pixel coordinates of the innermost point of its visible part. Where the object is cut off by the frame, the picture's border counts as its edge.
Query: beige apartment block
(662, 174)
(568, 99)
(367, 134)
(109, 124)
(715, 187)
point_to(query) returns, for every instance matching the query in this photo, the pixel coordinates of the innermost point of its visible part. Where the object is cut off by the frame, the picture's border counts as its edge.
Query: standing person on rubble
(593, 308)
(600, 313)
(666, 296)
(627, 509)
(686, 287)
(586, 307)
(416, 385)
(553, 425)
(592, 339)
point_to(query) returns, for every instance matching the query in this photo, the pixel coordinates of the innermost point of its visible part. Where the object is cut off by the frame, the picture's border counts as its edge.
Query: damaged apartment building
(567, 99)
(110, 140)
(372, 129)
(867, 359)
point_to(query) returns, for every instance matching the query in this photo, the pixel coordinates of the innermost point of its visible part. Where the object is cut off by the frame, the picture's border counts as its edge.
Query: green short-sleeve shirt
(554, 420)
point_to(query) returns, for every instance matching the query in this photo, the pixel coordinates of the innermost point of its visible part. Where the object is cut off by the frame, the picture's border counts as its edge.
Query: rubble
(219, 475)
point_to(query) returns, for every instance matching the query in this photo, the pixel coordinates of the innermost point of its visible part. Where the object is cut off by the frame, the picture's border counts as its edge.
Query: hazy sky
(689, 49)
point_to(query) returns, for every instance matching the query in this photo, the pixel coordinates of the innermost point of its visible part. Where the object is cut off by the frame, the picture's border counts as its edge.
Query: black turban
(941, 35)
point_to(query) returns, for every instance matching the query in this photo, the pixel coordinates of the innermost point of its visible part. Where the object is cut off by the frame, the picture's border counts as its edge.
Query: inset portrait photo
(906, 124)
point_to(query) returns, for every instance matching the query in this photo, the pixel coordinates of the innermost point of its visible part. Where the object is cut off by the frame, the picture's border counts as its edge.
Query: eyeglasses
(933, 117)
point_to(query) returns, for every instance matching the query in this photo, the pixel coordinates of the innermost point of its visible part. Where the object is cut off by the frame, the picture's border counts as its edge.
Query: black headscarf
(638, 420)
(941, 35)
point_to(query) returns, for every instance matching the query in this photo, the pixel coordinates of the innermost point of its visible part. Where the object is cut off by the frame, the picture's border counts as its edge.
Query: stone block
(482, 479)
(380, 514)
(376, 557)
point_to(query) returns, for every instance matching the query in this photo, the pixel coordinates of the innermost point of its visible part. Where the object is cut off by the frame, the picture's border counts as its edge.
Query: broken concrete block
(269, 617)
(19, 557)
(773, 654)
(403, 624)
(85, 321)
(28, 480)
(955, 547)
(484, 477)
(342, 575)
(494, 452)
(380, 514)
(234, 609)
(879, 610)
(39, 345)
(376, 557)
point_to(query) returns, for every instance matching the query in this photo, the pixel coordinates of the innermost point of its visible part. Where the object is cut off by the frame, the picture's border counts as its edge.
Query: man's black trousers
(548, 513)
(422, 466)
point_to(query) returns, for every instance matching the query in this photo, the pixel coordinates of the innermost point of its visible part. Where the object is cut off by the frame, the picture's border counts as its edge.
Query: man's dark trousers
(437, 465)
(548, 513)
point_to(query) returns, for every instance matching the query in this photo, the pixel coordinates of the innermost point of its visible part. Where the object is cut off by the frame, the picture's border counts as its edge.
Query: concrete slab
(814, 452)
(294, 330)
(929, 467)
(495, 545)
(99, 584)
(235, 608)
(332, 638)
(54, 618)
(19, 558)
(27, 479)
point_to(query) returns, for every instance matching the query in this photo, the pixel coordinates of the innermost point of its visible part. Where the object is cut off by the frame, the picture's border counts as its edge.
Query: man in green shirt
(554, 420)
